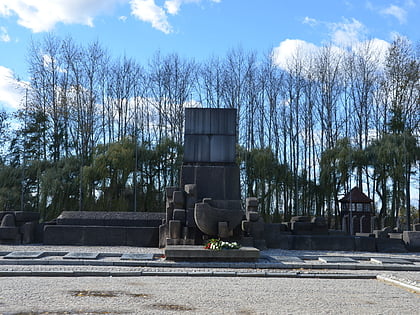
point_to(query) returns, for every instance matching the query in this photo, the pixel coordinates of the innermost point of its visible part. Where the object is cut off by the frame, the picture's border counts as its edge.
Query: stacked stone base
(19, 227)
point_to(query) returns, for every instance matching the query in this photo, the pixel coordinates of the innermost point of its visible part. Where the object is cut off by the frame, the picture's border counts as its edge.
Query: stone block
(380, 234)
(276, 237)
(210, 182)
(252, 216)
(412, 240)
(251, 203)
(196, 148)
(302, 242)
(222, 149)
(198, 253)
(142, 236)
(340, 243)
(8, 220)
(163, 235)
(188, 175)
(210, 121)
(63, 235)
(104, 235)
(189, 218)
(300, 218)
(388, 245)
(175, 229)
(112, 218)
(9, 232)
(191, 189)
(397, 236)
(319, 221)
(170, 191)
(365, 244)
(180, 215)
(301, 228)
(179, 199)
(28, 232)
(223, 230)
(27, 216)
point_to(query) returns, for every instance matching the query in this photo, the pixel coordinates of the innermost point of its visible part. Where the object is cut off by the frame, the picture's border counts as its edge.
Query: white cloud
(399, 13)
(148, 11)
(11, 90)
(292, 48)
(309, 21)
(4, 35)
(41, 16)
(347, 33)
(173, 6)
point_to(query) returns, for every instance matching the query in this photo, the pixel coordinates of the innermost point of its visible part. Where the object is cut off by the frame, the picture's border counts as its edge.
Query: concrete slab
(290, 259)
(24, 255)
(335, 260)
(199, 253)
(132, 256)
(390, 260)
(75, 255)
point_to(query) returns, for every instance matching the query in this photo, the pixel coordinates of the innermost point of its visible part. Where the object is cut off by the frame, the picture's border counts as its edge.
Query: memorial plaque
(24, 255)
(75, 255)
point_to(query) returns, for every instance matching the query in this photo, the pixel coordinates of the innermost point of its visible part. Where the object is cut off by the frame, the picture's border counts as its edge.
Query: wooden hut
(356, 212)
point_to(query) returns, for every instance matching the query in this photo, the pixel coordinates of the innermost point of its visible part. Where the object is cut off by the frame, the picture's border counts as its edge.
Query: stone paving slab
(24, 255)
(336, 260)
(291, 259)
(133, 256)
(76, 255)
(388, 260)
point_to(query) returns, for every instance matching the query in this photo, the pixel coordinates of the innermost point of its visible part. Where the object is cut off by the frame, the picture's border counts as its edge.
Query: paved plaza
(134, 280)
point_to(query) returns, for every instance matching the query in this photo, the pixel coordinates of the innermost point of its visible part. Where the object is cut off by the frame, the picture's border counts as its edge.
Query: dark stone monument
(208, 202)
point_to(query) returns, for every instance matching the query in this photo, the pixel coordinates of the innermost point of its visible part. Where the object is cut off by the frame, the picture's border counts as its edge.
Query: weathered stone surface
(178, 199)
(210, 121)
(391, 260)
(251, 203)
(174, 229)
(9, 232)
(387, 245)
(28, 232)
(223, 230)
(180, 215)
(24, 255)
(380, 233)
(77, 255)
(301, 227)
(27, 216)
(136, 256)
(336, 260)
(198, 253)
(208, 217)
(8, 220)
(412, 240)
(100, 218)
(213, 181)
(63, 235)
(252, 216)
(365, 244)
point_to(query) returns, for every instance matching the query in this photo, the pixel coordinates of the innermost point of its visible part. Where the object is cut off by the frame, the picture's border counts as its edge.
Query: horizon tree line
(102, 133)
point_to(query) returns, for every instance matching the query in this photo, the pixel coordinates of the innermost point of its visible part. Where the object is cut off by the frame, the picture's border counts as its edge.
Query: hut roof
(355, 196)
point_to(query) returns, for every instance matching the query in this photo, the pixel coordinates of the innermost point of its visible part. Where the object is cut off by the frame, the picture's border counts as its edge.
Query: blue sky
(195, 28)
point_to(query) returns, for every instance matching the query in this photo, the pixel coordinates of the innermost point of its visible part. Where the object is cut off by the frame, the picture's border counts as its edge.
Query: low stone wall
(101, 235)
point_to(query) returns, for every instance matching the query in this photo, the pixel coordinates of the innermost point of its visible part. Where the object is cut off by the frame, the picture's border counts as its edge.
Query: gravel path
(203, 295)
(173, 295)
